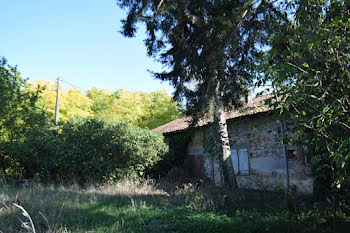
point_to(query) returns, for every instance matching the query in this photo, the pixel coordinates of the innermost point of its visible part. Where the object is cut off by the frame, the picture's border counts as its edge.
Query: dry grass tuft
(127, 188)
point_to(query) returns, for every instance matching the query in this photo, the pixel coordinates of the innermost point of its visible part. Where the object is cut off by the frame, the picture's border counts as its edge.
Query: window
(240, 161)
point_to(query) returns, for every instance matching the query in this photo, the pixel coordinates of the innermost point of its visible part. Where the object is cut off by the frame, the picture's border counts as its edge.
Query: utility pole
(57, 100)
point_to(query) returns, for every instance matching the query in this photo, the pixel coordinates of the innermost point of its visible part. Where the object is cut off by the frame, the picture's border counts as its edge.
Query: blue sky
(77, 40)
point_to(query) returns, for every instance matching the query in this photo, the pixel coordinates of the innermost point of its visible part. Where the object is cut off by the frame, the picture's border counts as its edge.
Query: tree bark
(229, 176)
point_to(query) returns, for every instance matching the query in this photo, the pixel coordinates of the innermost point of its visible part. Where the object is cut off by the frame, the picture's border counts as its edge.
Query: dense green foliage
(310, 59)
(19, 114)
(88, 151)
(79, 149)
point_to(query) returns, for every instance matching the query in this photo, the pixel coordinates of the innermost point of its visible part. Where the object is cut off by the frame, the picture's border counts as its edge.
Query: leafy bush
(19, 115)
(89, 150)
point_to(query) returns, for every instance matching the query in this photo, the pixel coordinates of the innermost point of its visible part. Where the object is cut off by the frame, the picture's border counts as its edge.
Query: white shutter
(243, 161)
(234, 157)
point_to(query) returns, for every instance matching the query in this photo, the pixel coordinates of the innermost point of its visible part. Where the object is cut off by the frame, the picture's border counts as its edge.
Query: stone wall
(260, 135)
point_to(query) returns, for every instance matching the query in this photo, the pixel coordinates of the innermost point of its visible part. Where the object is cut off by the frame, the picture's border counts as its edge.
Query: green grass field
(128, 207)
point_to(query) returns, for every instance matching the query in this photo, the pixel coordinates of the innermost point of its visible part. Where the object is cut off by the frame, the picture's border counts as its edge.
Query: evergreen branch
(192, 19)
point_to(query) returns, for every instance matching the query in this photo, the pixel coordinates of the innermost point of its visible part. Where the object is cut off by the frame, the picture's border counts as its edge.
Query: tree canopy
(195, 39)
(309, 68)
(147, 110)
(19, 114)
(18, 110)
(73, 102)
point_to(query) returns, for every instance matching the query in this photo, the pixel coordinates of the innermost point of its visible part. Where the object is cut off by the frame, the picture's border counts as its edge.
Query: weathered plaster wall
(261, 135)
(195, 146)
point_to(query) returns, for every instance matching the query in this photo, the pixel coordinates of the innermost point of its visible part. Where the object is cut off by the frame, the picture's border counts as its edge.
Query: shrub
(19, 115)
(89, 150)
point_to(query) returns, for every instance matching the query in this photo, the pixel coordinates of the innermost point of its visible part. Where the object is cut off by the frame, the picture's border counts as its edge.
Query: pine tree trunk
(229, 176)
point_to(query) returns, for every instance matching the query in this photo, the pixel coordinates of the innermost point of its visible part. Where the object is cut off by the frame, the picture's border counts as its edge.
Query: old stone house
(257, 153)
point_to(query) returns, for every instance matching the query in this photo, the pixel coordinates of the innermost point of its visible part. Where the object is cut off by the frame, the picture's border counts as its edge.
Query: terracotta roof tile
(257, 105)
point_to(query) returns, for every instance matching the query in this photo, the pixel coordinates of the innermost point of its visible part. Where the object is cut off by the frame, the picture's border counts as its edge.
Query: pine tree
(209, 49)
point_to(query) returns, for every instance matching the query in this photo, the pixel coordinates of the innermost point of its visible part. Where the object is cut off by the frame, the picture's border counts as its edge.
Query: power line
(73, 85)
(47, 89)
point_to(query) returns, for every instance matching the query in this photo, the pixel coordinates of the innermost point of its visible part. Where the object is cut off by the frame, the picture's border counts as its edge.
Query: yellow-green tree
(147, 110)
(162, 109)
(73, 102)
(130, 106)
(102, 101)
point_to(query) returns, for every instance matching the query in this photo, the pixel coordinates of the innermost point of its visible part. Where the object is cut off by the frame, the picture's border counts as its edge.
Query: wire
(73, 85)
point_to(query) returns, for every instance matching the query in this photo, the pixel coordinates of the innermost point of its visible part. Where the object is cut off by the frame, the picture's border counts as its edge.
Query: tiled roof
(257, 105)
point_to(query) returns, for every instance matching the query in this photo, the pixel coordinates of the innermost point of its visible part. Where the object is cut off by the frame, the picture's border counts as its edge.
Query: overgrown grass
(147, 207)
